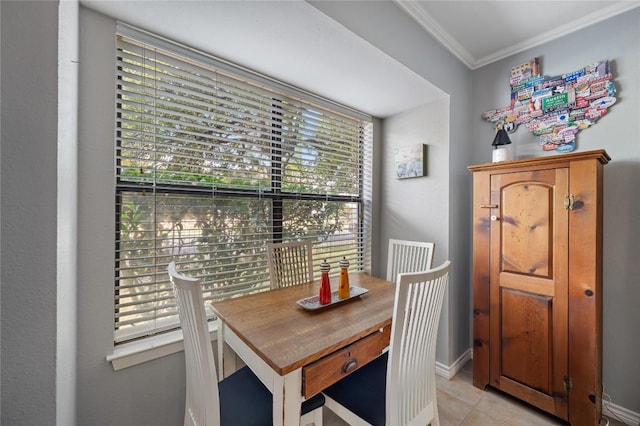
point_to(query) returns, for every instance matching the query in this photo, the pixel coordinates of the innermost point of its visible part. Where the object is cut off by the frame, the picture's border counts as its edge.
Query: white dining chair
(408, 256)
(290, 263)
(398, 388)
(240, 399)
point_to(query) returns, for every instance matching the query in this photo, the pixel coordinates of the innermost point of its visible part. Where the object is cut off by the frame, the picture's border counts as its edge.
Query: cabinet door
(529, 287)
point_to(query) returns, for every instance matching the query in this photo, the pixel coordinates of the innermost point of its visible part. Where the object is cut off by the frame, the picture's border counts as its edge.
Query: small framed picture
(411, 161)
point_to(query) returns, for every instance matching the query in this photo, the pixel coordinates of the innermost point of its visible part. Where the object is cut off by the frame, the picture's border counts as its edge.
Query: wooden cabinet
(537, 281)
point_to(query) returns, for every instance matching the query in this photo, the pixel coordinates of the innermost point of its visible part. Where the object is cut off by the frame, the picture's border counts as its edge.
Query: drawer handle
(349, 365)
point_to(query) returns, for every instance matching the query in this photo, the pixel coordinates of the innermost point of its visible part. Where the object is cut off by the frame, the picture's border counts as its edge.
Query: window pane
(186, 124)
(210, 166)
(219, 239)
(321, 153)
(334, 228)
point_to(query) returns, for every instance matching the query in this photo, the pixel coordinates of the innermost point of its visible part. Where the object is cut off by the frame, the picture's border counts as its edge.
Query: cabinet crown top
(599, 154)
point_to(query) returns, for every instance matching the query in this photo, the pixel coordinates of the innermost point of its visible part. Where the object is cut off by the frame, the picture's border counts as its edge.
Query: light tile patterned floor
(461, 404)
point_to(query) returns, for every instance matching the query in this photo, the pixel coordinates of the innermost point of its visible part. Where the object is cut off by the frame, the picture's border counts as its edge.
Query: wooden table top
(287, 336)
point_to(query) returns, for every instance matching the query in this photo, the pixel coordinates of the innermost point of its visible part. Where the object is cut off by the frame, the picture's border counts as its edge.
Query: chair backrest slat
(408, 256)
(411, 378)
(290, 263)
(202, 405)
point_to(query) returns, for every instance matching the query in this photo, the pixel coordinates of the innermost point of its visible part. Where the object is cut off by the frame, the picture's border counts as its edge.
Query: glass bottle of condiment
(343, 284)
(325, 285)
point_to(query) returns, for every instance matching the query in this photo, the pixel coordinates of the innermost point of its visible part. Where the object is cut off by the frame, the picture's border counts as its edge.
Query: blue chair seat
(363, 391)
(245, 401)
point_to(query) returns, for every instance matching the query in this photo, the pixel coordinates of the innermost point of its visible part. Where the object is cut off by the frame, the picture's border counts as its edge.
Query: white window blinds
(210, 166)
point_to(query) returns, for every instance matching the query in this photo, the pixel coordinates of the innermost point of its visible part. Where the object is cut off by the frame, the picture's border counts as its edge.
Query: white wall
(66, 278)
(618, 40)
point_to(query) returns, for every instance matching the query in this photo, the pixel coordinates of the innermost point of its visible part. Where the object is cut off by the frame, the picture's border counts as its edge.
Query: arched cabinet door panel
(529, 296)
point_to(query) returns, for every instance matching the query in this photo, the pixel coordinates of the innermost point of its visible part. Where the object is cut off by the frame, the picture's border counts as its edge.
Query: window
(212, 162)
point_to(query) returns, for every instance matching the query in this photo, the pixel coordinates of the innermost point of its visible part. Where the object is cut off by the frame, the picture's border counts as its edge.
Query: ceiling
(294, 42)
(481, 32)
(290, 41)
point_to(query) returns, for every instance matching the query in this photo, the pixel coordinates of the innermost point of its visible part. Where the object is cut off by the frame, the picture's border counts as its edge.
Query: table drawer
(328, 370)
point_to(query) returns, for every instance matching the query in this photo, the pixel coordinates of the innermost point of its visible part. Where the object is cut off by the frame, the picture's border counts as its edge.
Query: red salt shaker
(325, 285)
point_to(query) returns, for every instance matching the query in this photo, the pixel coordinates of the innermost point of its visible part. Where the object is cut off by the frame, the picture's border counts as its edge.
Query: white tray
(312, 303)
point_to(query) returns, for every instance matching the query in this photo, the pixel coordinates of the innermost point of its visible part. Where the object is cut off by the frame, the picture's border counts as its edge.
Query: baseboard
(449, 371)
(616, 412)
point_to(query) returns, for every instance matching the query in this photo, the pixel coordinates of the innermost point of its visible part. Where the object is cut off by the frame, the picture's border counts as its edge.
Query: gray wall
(153, 393)
(29, 36)
(616, 39)
(417, 209)
(136, 390)
(404, 40)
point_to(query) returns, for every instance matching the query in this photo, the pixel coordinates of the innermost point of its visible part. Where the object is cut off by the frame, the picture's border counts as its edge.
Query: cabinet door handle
(494, 217)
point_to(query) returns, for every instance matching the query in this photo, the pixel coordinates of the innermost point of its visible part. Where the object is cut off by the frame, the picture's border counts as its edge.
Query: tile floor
(460, 404)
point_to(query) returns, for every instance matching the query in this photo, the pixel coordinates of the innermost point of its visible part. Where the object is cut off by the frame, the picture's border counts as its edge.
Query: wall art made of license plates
(556, 108)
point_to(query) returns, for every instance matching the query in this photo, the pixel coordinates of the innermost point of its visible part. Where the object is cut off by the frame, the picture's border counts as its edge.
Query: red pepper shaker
(325, 285)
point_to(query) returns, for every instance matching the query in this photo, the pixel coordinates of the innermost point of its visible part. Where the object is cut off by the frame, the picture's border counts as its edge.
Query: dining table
(298, 348)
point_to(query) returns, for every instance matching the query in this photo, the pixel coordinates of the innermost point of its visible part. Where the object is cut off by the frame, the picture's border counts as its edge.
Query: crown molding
(430, 24)
(427, 22)
(573, 26)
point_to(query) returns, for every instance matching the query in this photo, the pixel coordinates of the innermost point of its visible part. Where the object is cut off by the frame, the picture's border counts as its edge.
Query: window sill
(144, 350)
